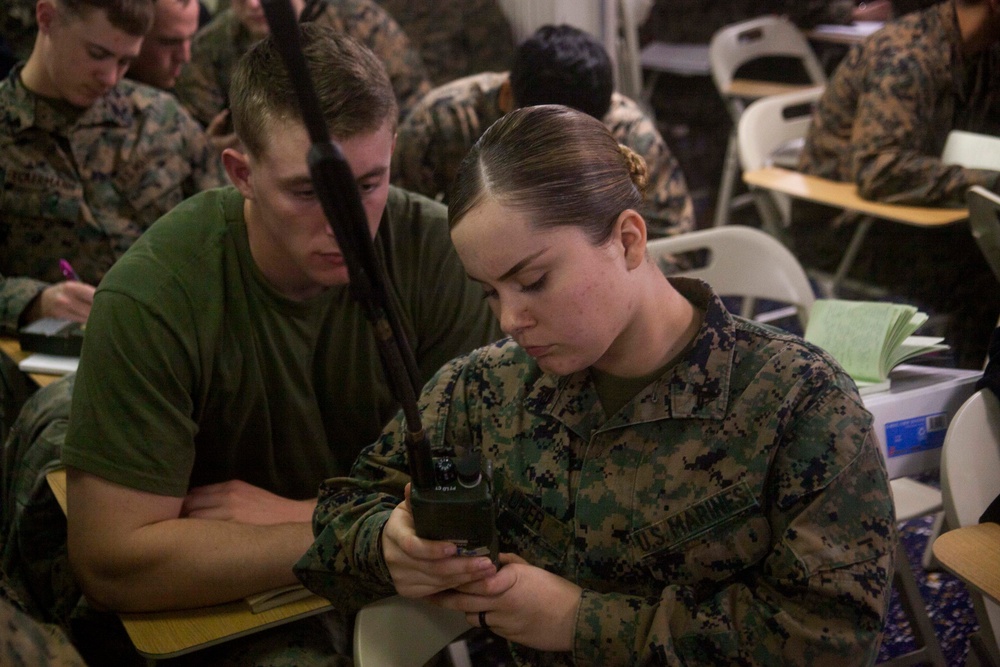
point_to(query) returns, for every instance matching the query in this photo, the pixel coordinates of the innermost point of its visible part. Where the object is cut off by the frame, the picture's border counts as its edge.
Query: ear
(237, 166)
(45, 14)
(632, 234)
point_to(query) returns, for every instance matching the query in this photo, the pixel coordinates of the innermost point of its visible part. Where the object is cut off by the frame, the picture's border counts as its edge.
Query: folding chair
(773, 129)
(743, 262)
(984, 218)
(734, 46)
(399, 632)
(970, 480)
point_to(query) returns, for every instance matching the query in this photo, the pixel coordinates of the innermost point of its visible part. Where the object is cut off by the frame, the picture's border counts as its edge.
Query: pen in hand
(67, 270)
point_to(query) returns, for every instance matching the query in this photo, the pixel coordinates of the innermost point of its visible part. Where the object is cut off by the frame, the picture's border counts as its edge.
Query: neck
(664, 321)
(33, 74)
(978, 27)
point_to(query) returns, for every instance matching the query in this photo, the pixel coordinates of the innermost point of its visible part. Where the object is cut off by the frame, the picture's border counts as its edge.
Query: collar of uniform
(697, 386)
(19, 102)
(113, 108)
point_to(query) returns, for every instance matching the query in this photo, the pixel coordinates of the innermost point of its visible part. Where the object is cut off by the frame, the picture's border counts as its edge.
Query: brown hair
(134, 17)
(355, 95)
(554, 163)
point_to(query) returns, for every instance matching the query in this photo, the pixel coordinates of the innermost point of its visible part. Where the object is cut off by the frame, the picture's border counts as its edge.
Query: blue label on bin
(916, 434)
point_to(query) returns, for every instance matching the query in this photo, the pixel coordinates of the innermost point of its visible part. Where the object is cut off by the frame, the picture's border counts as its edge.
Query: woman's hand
(522, 603)
(422, 567)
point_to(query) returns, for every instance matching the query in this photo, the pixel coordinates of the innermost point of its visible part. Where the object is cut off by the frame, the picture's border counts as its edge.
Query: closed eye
(536, 286)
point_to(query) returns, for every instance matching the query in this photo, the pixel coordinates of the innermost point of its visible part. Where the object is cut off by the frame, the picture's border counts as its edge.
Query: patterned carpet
(947, 604)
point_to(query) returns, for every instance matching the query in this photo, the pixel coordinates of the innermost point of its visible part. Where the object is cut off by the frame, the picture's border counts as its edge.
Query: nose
(109, 74)
(514, 316)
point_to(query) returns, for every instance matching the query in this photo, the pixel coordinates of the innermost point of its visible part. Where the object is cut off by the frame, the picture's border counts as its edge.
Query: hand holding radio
(422, 567)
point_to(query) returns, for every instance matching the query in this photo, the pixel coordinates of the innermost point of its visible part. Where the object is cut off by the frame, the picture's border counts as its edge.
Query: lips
(537, 350)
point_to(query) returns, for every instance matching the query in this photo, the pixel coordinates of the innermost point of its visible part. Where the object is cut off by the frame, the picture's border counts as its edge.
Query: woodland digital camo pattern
(737, 511)
(887, 111)
(435, 137)
(32, 525)
(203, 84)
(83, 184)
(455, 39)
(28, 643)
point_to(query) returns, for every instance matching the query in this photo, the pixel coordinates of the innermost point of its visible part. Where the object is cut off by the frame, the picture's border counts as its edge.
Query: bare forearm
(182, 563)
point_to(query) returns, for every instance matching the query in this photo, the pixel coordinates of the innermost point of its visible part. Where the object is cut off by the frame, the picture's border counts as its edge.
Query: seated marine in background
(87, 160)
(881, 124)
(557, 65)
(455, 38)
(204, 83)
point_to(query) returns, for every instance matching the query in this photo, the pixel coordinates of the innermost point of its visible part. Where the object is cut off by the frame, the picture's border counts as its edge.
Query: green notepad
(869, 338)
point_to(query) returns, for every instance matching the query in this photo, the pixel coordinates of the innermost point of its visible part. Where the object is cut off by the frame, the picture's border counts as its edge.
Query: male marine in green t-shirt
(227, 371)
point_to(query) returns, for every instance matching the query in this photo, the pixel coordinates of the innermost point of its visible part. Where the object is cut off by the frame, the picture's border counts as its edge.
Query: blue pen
(67, 270)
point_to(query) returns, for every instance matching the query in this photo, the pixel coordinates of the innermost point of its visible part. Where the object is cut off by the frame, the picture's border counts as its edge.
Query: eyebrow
(296, 181)
(520, 265)
(372, 173)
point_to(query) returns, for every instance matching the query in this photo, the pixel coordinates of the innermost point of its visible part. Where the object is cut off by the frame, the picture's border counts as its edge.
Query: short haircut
(354, 91)
(134, 17)
(560, 64)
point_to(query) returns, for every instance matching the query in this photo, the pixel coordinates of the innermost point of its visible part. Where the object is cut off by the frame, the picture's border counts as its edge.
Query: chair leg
(928, 648)
(850, 253)
(929, 562)
(730, 172)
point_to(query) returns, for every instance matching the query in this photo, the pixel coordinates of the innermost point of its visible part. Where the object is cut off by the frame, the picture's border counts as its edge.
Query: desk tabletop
(752, 89)
(854, 33)
(167, 634)
(845, 195)
(972, 553)
(12, 349)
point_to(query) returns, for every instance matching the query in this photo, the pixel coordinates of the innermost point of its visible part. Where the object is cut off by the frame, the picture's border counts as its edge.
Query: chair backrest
(745, 262)
(970, 459)
(972, 150)
(970, 480)
(769, 127)
(984, 219)
(774, 123)
(739, 43)
(399, 632)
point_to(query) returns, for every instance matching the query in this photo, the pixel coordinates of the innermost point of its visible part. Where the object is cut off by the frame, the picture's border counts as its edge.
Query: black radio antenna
(337, 191)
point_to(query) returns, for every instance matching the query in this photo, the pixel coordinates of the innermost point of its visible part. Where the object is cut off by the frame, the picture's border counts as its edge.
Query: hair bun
(636, 168)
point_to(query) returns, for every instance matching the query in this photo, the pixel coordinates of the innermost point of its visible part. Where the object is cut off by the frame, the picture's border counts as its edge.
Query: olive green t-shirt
(195, 371)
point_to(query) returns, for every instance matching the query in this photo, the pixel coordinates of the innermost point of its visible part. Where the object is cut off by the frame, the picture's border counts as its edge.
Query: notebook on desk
(972, 150)
(50, 364)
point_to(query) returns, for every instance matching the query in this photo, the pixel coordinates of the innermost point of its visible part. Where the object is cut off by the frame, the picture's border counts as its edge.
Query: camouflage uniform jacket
(887, 110)
(736, 511)
(203, 84)
(437, 134)
(84, 184)
(455, 39)
(27, 642)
